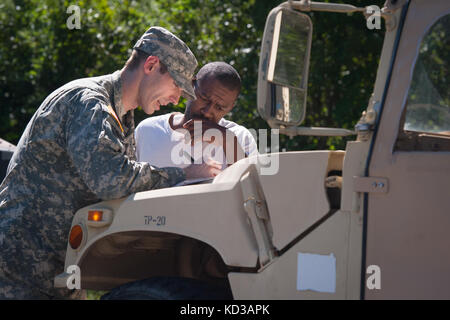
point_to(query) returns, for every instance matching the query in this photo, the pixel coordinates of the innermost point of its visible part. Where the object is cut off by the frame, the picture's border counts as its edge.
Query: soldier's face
(156, 90)
(213, 102)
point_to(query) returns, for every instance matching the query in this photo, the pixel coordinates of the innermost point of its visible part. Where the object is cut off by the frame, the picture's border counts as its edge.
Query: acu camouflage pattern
(73, 153)
(175, 55)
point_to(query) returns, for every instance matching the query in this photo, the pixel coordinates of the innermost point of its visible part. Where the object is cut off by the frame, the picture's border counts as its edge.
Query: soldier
(79, 149)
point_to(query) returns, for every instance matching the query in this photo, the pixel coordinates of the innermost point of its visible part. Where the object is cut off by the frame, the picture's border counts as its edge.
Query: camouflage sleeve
(98, 154)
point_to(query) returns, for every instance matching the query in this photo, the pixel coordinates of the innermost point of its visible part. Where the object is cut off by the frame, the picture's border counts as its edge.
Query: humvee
(368, 222)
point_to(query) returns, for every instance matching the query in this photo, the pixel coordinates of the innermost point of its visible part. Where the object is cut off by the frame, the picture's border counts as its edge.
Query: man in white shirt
(200, 134)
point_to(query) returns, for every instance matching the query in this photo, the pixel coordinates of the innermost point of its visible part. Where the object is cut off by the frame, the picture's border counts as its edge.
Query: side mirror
(283, 67)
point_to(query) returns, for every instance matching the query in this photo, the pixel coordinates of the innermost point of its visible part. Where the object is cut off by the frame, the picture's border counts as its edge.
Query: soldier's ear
(150, 64)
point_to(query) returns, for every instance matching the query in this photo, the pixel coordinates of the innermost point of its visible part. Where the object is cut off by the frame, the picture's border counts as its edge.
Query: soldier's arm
(94, 145)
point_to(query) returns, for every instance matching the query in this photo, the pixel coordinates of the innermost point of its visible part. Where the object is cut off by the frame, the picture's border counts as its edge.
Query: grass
(94, 295)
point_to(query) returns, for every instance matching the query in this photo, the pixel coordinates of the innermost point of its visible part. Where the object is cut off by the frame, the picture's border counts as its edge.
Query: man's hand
(205, 170)
(226, 138)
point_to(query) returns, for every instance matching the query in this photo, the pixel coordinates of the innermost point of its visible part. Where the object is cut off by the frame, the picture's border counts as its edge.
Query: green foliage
(38, 53)
(94, 295)
(343, 65)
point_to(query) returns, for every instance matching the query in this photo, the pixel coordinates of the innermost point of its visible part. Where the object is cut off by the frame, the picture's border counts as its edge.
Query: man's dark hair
(222, 71)
(137, 57)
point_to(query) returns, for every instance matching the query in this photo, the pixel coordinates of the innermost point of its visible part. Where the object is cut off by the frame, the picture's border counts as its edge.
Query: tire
(168, 288)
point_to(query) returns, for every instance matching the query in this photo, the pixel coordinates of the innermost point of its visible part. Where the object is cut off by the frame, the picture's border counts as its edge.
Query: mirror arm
(307, 5)
(273, 102)
(316, 131)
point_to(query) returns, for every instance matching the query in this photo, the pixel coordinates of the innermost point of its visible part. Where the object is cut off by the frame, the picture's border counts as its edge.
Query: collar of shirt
(126, 118)
(117, 94)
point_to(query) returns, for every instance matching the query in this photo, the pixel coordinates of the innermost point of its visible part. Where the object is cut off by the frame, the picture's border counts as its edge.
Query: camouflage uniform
(74, 152)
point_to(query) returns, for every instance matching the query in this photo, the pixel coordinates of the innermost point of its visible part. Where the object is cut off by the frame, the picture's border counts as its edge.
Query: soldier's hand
(204, 170)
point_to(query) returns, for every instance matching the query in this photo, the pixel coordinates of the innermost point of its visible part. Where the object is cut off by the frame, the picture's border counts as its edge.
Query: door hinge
(370, 184)
(256, 208)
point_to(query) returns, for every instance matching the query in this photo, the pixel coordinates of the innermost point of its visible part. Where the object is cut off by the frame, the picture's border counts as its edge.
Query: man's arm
(234, 147)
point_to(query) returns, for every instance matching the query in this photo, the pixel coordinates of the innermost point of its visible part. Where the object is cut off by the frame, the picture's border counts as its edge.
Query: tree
(39, 53)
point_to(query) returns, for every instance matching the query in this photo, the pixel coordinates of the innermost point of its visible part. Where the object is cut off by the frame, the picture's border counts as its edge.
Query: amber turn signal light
(95, 215)
(76, 236)
(99, 217)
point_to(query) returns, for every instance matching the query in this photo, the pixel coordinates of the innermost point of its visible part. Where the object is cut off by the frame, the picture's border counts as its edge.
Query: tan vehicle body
(391, 207)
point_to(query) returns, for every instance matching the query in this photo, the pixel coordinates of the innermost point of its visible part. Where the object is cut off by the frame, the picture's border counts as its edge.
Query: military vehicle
(368, 222)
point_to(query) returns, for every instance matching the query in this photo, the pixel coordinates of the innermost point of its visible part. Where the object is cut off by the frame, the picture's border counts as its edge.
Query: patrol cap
(174, 53)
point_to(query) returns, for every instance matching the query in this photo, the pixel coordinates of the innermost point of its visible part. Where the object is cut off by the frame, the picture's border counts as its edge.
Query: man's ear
(150, 64)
